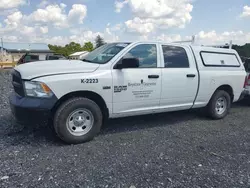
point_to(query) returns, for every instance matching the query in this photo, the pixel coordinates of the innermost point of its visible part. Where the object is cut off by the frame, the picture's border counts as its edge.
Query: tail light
(247, 81)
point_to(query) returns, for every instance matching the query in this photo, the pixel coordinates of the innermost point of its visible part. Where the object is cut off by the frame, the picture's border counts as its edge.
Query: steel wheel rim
(221, 105)
(80, 122)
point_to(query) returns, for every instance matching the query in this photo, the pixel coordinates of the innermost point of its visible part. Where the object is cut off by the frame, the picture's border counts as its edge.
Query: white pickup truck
(126, 79)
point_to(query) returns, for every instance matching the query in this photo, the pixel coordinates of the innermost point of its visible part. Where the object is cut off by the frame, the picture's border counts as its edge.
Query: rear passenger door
(179, 78)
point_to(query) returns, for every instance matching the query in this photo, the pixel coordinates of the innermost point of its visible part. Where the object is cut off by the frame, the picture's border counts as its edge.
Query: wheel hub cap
(79, 122)
(221, 105)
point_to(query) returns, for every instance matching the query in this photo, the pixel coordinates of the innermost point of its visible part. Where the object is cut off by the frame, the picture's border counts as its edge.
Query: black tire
(62, 113)
(212, 105)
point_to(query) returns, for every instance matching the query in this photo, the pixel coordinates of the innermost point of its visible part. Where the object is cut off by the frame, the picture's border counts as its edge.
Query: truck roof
(193, 46)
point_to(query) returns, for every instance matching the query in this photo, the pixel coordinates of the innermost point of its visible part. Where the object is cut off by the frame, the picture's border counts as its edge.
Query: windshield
(105, 53)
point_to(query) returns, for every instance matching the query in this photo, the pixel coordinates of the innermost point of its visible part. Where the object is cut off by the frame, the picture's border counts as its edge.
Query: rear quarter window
(219, 59)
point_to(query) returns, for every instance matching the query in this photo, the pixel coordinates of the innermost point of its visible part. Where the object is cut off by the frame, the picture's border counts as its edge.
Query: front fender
(99, 82)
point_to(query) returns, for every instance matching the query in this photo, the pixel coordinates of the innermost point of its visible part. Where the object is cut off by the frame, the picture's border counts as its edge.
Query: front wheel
(78, 120)
(219, 105)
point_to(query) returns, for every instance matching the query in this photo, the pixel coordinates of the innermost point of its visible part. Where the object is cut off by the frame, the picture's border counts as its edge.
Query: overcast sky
(62, 21)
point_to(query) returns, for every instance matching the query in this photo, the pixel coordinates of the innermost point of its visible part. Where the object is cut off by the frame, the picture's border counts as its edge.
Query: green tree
(67, 49)
(73, 47)
(243, 50)
(58, 49)
(88, 46)
(99, 41)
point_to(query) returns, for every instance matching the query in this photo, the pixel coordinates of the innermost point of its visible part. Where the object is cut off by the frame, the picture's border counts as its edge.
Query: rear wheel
(219, 105)
(78, 120)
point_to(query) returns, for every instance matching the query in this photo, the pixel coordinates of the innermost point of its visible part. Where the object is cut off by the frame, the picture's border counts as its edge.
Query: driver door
(137, 90)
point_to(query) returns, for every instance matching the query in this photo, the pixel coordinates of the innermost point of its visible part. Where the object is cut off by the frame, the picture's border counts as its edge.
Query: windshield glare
(105, 53)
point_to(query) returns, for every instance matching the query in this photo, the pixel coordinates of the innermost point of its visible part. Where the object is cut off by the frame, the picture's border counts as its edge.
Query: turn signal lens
(45, 88)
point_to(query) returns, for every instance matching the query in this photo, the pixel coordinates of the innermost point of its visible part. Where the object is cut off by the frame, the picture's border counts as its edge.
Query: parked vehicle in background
(29, 57)
(55, 57)
(246, 92)
(78, 55)
(126, 79)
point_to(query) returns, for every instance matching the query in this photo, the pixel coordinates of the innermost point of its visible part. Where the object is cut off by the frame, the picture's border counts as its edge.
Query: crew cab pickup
(126, 79)
(29, 57)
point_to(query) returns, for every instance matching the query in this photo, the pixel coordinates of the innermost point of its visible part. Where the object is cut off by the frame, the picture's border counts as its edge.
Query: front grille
(17, 83)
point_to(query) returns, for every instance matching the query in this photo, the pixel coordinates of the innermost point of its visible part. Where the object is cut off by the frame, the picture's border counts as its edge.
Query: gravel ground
(180, 149)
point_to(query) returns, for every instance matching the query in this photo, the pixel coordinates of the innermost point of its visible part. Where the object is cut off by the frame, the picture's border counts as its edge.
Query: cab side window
(145, 53)
(175, 57)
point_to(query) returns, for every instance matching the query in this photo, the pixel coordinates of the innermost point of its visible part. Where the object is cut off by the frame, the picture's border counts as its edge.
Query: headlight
(37, 89)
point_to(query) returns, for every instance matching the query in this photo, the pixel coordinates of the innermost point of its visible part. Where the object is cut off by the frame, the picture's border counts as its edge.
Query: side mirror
(127, 63)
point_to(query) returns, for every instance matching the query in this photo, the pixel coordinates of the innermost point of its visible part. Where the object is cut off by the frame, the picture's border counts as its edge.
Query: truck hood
(45, 68)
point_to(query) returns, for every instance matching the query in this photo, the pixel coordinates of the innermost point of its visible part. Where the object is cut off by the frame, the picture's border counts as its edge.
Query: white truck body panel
(42, 68)
(72, 83)
(212, 77)
(131, 91)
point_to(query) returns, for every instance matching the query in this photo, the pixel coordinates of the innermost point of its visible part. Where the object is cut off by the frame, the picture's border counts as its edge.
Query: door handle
(153, 76)
(191, 75)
